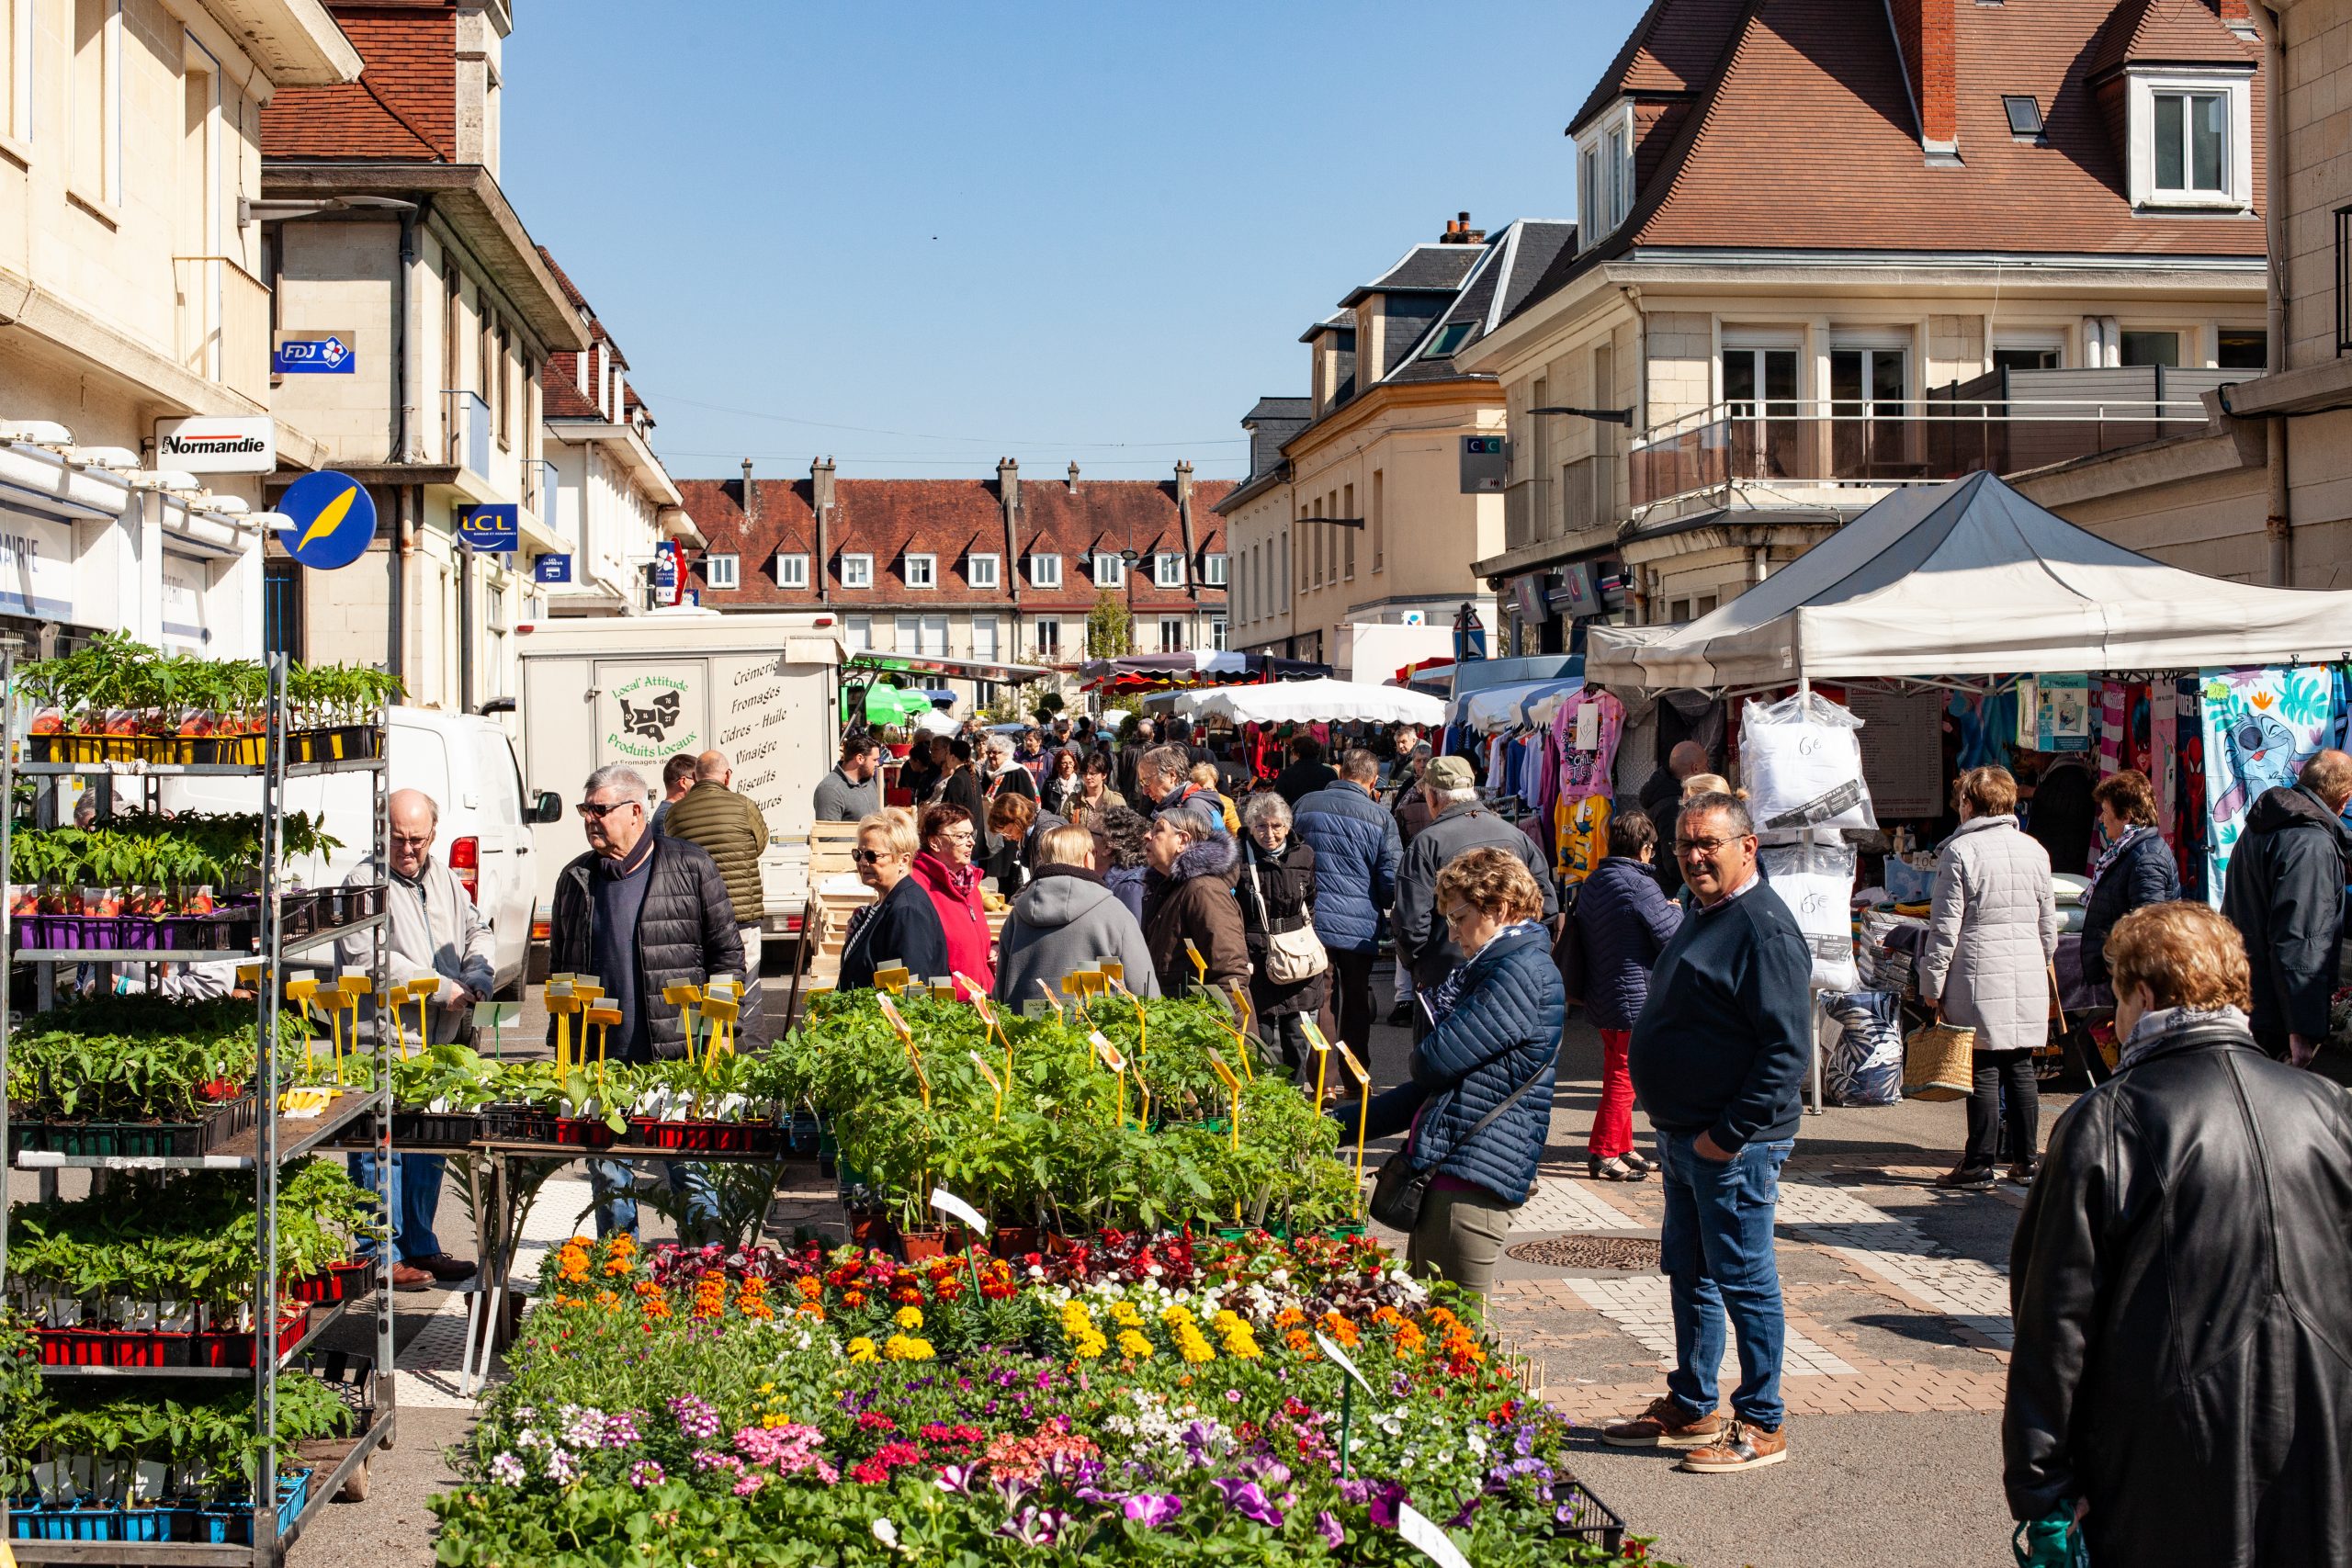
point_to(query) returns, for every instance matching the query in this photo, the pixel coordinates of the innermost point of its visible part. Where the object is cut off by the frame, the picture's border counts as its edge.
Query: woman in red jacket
(947, 871)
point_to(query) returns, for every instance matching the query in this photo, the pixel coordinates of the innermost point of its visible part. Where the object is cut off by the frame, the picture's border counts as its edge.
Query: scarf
(2158, 1024)
(2139, 832)
(1446, 992)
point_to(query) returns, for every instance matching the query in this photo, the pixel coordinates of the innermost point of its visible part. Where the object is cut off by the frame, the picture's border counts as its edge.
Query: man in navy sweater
(1717, 1056)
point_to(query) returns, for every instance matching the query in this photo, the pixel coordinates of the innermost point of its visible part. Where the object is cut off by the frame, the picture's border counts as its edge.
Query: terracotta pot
(918, 1247)
(1013, 1241)
(869, 1227)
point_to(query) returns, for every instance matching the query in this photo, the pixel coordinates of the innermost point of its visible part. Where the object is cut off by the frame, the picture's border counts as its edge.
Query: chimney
(1073, 479)
(1459, 232)
(751, 496)
(820, 502)
(1923, 34)
(1184, 519)
(1008, 495)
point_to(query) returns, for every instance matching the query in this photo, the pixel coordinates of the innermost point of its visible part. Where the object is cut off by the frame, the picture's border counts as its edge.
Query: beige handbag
(1939, 1062)
(1292, 956)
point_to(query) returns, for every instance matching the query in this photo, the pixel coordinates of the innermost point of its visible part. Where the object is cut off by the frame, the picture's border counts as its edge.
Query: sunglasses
(871, 857)
(592, 812)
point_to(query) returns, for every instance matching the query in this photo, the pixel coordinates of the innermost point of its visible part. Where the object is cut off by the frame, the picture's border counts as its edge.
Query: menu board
(1903, 751)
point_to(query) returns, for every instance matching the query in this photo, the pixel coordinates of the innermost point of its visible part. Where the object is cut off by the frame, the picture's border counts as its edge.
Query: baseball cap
(1449, 773)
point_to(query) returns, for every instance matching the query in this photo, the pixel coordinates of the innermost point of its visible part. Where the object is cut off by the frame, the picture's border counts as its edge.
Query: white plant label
(1340, 1360)
(1314, 1035)
(1108, 1052)
(955, 1208)
(1434, 1543)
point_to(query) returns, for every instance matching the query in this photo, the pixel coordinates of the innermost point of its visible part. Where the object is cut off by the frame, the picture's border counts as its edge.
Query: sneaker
(2024, 1171)
(407, 1276)
(1614, 1168)
(1665, 1425)
(1968, 1178)
(1744, 1446)
(448, 1270)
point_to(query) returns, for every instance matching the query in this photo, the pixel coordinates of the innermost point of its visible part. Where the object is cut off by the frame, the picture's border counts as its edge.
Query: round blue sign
(334, 520)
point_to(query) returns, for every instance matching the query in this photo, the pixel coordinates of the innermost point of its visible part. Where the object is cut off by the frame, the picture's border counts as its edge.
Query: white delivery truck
(640, 689)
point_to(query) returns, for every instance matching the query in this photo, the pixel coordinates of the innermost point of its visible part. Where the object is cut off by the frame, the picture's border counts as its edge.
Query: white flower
(1036, 1271)
(1154, 1271)
(886, 1533)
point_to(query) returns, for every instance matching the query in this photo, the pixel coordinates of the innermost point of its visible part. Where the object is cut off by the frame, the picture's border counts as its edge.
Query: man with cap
(1459, 824)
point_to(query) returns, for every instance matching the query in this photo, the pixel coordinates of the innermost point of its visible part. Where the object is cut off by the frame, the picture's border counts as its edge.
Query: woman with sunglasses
(949, 874)
(901, 924)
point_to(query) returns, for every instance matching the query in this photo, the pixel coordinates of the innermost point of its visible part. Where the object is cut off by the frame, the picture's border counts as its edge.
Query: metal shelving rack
(274, 1140)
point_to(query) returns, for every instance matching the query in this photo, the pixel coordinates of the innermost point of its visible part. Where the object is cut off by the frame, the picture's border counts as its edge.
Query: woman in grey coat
(1990, 939)
(1067, 920)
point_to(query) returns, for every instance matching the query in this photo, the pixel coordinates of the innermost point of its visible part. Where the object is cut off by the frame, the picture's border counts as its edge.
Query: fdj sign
(492, 530)
(652, 708)
(315, 353)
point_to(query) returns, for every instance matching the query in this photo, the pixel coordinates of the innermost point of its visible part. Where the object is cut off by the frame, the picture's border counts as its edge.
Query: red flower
(874, 1421)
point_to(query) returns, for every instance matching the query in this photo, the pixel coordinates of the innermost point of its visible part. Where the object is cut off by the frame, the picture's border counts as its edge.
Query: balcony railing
(466, 419)
(1983, 425)
(223, 324)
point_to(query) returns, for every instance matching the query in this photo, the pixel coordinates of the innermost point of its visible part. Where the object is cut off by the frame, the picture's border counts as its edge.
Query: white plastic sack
(1864, 1063)
(1804, 768)
(1816, 882)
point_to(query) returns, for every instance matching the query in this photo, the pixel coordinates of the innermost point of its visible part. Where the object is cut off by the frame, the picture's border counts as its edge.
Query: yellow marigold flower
(1124, 1314)
(908, 1317)
(900, 1348)
(1091, 1345)
(1193, 1347)
(1134, 1345)
(861, 1348)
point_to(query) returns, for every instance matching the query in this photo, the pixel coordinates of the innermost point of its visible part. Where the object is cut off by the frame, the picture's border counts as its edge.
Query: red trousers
(1613, 1124)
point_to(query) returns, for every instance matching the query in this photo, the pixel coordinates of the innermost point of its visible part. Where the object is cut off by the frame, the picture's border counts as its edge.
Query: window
(1348, 535)
(1044, 571)
(718, 572)
(504, 368)
(2151, 348)
(95, 102)
(1049, 636)
(1110, 572)
(859, 630)
(984, 640)
(1379, 519)
(2242, 348)
(1171, 634)
(791, 571)
(857, 571)
(1168, 569)
(2025, 114)
(1449, 338)
(925, 635)
(2192, 133)
(1605, 175)
(980, 570)
(2025, 356)
(1213, 569)
(920, 571)
(1216, 633)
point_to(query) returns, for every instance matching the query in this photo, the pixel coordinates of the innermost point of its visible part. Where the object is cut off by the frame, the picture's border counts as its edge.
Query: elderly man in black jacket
(2181, 1283)
(2285, 897)
(640, 911)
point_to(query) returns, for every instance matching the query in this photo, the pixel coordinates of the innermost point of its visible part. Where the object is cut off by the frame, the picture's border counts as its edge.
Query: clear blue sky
(1053, 231)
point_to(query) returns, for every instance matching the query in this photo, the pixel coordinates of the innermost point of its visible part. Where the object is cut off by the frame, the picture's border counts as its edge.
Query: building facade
(999, 572)
(1256, 516)
(135, 426)
(387, 223)
(1830, 247)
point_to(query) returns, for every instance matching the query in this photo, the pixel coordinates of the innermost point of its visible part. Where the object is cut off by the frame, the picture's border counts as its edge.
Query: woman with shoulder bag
(1486, 1070)
(1287, 963)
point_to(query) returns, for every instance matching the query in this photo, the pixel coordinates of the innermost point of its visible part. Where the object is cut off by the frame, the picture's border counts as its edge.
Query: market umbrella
(895, 704)
(1312, 702)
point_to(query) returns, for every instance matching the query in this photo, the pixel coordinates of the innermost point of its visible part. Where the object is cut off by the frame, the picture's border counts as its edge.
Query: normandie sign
(200, 446)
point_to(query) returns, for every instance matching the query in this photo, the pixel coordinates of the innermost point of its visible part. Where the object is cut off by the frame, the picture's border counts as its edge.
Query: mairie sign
(492, 530)
(332, 520)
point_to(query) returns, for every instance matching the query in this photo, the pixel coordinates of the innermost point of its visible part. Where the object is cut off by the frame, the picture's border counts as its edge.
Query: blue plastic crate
(232, 1523)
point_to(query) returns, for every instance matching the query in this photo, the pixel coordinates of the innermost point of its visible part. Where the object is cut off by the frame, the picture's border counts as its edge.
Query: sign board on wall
(666, 574)
(201, 445)
(1902, 750)
(317, 351)
(334, 520)
(1485, 463)
(492, 530)
(36, 567)
(551, 568)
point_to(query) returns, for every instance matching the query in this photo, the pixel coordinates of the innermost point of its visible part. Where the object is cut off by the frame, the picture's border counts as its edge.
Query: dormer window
(1605, 174)
(1447, 339)
(2192, 135)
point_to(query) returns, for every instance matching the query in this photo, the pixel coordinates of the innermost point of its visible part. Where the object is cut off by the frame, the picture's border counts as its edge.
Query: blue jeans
(1717, 1258)
(416, 1198)
(614, 1181)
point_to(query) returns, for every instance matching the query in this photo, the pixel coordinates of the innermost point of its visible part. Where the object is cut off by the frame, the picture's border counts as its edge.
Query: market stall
(1321, 701)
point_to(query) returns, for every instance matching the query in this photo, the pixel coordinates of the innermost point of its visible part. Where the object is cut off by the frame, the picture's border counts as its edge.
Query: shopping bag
(1939, 1062)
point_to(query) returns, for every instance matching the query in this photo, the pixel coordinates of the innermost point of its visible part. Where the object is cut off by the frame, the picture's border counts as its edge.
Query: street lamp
(1128, 558)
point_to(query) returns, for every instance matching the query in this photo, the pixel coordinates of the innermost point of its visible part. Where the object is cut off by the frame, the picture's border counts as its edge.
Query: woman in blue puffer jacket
(1499, 1018)
(1625, 920)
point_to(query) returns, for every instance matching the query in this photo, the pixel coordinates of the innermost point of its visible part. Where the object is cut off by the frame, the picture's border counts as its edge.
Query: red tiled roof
(2172, 31)
(404, 104)
(1807, 142)
(949, 519)
(560, 393)
(1674, 49)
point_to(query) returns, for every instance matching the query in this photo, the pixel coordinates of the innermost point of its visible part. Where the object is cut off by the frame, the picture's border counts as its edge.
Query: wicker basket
(1939, 1062)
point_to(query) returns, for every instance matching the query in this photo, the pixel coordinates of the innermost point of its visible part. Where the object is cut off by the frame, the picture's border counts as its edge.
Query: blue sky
(1057, 233)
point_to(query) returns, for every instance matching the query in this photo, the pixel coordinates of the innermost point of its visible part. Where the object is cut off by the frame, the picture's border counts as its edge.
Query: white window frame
(723, 572)
(2237, 152)
(1049, 628)
(1168, 569)
(1171, 634)
(1110, 572)
(994, 652)
(980, 570)
(857, 631)
(1044, 571)
(1213, 569)
(858, 570)
(791, 570)
(1605, 174)
(1216, 633)
(920, 571)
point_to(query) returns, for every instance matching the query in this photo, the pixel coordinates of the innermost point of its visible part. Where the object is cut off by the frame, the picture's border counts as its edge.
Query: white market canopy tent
(1495, 709)
(1970, 578)
(1313, 702)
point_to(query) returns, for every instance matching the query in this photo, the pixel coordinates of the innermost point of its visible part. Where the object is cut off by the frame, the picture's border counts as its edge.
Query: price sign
(955, 1208)
(987, 1072)
(1108, 1052)
(1200, 965)
(1354, 1066)
(891, 1015)
(1340, 1360)
(1422, 1533)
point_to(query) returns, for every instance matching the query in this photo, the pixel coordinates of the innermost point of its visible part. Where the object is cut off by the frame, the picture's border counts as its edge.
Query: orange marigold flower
(809, 1286)
(1301, 1341)
(852, 1297)
(1289, 1317)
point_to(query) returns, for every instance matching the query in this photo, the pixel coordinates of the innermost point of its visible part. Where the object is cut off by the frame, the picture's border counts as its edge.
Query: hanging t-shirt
(1585, 730)
(1580, 829)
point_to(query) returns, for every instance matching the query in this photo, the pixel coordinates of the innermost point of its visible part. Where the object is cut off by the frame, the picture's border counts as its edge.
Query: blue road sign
(551, 568)
(492, 530)
(334, 520)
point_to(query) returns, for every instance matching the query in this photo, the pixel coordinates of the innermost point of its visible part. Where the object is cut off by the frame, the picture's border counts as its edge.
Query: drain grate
(1589, 1252)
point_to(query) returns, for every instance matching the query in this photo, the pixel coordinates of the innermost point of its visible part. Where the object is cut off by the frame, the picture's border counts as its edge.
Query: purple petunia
(695, 1418)
(1154, 1510)
(1249, 1499)
(1327, 1523)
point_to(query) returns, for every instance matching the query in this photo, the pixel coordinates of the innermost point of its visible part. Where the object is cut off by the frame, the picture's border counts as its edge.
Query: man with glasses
(1718, 1054)
(641, 911)
(431, 927)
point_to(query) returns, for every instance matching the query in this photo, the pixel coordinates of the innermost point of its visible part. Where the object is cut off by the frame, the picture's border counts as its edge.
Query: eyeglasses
(1699, 846)
(417, 840)
(959, 835)
(871, 857)
(1461, 914)
(592, 812)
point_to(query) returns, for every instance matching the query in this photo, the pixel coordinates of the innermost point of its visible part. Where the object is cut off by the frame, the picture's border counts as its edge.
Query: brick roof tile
(404, 104)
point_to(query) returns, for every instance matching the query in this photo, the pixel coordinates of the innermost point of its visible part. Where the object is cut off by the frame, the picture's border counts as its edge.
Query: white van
(467, 764)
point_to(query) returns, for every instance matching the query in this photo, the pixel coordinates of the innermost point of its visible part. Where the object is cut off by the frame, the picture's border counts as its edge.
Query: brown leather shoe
(445, 1270)
(1744, 1446)
(1665, 1425)
(406, 1276)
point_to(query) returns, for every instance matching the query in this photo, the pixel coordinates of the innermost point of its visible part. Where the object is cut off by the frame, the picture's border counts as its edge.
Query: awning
(1498, 709)
(926, 664)
(1313, 702)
